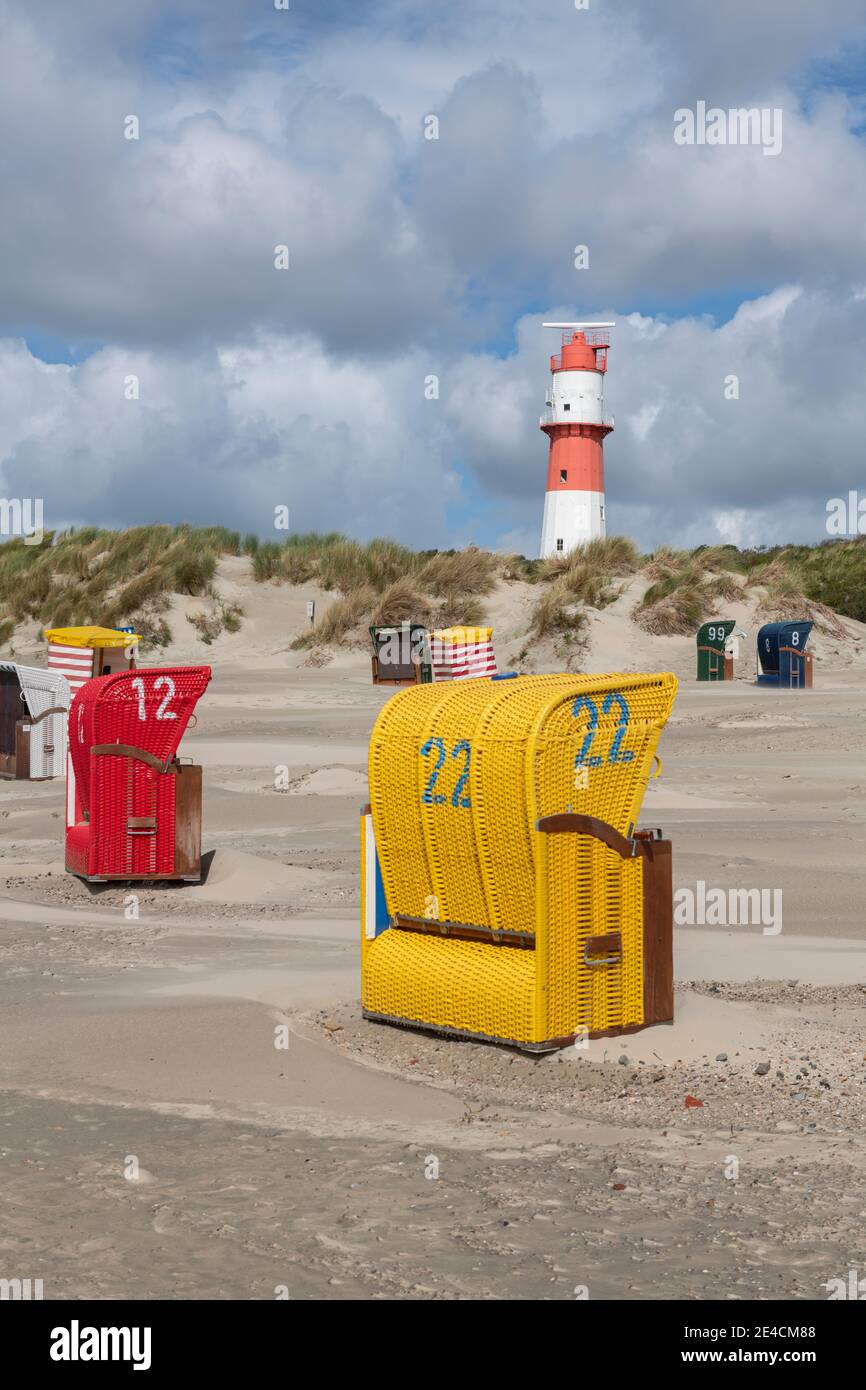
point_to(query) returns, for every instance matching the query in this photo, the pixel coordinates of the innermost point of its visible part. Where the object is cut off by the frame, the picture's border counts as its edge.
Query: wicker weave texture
(589, 891)
(464, 985)
(458, 777)
(455, 823)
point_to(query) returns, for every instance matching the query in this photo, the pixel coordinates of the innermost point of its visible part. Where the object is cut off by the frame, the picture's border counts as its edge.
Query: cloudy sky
(410, 257)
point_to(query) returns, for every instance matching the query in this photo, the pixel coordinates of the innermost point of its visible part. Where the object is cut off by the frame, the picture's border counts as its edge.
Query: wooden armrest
(126, 750)
(569, 821)
(38, 718)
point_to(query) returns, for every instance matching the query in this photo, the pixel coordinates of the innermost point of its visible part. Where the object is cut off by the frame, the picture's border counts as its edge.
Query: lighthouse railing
(593, 337)
(551, 417)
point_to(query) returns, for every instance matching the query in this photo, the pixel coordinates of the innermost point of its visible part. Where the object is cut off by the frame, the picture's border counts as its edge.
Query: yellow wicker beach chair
(505, 893)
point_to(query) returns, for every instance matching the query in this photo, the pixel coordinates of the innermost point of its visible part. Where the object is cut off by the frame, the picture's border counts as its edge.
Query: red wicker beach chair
(133, 810)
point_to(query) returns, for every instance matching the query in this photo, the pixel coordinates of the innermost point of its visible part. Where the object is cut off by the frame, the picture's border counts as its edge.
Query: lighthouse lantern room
(576, 425)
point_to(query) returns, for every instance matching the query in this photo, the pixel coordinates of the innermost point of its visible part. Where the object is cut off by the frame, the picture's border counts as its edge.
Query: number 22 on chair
(431, 797)
(617, 753)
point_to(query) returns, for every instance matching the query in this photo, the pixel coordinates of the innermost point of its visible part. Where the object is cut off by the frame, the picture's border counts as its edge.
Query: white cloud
(227, 436)
(411, 256)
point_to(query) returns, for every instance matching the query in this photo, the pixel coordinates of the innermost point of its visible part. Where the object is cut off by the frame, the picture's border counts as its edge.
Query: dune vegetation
(130, 577)
(820, 582)
(383, 584)
(115, 578)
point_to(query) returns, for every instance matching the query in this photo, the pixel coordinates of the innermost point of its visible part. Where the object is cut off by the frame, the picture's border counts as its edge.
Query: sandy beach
(155, 1142)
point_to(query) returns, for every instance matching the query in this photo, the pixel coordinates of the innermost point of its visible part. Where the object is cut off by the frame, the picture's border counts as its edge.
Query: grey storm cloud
(410, 257)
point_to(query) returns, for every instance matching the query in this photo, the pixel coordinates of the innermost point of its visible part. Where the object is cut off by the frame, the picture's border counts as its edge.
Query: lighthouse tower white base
(570, 519)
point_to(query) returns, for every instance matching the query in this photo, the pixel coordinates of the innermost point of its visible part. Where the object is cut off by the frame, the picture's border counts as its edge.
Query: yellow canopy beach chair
(505, 892)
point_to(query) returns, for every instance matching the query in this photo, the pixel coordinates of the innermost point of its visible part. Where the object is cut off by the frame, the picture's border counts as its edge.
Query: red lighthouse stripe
(576, 463)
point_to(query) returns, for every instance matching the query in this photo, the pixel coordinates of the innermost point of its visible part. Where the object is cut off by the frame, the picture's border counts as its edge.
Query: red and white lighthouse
(576, 425)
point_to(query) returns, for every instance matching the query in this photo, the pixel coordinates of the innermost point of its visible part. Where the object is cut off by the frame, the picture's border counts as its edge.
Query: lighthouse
(576, 425)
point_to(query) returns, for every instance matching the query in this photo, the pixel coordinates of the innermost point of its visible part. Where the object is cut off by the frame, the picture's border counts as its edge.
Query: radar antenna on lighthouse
(576, 425)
